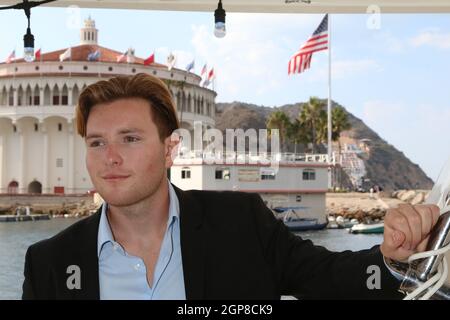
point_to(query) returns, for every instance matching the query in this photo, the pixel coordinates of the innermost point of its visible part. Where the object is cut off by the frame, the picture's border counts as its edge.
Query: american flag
(204, 70)
(11, 57)
(301, 60)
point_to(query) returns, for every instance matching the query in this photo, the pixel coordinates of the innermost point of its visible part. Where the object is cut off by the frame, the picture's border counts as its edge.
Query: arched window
(56, 96)
(13, 187)
(36, 96)
(35, 187)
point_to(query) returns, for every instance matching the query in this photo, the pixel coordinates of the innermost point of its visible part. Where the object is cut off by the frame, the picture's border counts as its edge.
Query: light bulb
(28, 51)
(219, 20)
(219, 30)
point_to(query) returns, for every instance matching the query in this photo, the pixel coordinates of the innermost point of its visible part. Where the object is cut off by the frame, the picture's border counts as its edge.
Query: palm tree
(299, 133)
(279, 120)
(339, 123)
(310, 117)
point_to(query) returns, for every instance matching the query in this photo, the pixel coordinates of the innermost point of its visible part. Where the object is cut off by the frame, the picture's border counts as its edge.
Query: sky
(390, 70)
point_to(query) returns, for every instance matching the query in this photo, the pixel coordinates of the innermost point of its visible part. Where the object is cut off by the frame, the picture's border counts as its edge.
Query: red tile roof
(80, 53)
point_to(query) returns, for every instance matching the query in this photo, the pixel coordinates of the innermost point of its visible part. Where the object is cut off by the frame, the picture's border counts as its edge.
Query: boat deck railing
(246, 157)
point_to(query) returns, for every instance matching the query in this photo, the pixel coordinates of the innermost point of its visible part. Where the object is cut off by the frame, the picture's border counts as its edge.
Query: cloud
(242, 59)
(432, 37)
(392, 43)
(341, 69)
(417, 130)
(253, 57)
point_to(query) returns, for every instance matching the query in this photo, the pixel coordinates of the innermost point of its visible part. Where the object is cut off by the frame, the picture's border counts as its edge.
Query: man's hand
(407, 229)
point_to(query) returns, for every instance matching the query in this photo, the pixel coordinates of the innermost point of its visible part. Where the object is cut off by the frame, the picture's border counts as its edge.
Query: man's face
(125, 157)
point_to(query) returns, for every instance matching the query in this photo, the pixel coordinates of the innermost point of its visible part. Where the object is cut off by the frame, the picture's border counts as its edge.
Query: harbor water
(16, 237)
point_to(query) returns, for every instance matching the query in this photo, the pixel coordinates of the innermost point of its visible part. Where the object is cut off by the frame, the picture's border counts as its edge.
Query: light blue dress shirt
(124, 276)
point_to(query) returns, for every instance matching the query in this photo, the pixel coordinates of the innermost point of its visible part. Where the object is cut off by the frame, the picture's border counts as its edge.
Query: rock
(400, 193)
(407, 196)
(360, 214)
(418, 199)
(395, 194)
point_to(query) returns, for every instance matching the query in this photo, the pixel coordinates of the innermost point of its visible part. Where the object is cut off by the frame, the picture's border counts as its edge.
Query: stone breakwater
(54, 206)
(366, 206)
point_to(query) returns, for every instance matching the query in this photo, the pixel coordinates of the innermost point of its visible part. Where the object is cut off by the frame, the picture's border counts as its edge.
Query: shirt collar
(104, 230)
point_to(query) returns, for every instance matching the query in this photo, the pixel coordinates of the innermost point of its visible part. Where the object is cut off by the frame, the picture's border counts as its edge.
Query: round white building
(40, 150)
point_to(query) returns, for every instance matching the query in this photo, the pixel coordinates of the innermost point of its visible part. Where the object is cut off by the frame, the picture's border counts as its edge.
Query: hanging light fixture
(28, 41)
(219, 21)
(28, 38)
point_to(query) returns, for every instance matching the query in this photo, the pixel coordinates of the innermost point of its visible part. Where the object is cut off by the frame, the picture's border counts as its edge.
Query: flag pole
(70, 70)
(330, 184)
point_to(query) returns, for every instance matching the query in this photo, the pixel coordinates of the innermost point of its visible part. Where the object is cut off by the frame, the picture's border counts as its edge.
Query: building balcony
(39, 112)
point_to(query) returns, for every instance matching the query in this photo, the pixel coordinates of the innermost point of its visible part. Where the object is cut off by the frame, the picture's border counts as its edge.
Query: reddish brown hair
(141, 85)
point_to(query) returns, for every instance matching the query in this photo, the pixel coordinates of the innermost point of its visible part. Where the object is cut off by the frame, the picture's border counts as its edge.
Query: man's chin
(116, 197)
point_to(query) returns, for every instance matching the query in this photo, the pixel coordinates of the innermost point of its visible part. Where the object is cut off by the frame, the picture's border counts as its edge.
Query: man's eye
(131, 139)
(95, 144)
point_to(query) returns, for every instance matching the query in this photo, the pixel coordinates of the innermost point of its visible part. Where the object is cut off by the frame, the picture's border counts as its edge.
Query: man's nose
(113, 156)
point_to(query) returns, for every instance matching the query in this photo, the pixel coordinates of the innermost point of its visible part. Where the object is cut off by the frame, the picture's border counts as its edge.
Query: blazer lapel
(87, 255)
(192, 245)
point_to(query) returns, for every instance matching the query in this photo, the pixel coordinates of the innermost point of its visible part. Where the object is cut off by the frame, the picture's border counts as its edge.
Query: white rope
(435, 282)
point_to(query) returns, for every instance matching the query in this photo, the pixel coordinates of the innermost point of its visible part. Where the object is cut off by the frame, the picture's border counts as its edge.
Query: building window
(11, 100)
(55, 100)
(298, 198)
(309, 174)
(59, 127)
(222, 174)
(186, 173)
(64, 100)
(85, 67)
(36, 100)
(36, 68)
(59, 162)
(133, 70)
(60, 67)
(154, 72)
(36, 127)
(267, 174)
(110, 68)
(14, 128)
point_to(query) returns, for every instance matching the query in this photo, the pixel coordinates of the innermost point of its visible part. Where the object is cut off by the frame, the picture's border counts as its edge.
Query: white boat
(368, 228)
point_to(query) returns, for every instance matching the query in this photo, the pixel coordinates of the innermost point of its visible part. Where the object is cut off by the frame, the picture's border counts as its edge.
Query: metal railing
(248, 157)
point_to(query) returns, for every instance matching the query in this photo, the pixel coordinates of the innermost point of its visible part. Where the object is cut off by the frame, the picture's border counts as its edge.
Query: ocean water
(15, 237)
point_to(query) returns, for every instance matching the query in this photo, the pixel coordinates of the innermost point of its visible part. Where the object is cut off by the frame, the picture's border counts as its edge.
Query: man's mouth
(113, 177)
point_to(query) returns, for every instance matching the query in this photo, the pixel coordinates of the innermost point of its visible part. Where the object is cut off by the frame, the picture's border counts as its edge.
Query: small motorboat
(368, 228)
(294, 222)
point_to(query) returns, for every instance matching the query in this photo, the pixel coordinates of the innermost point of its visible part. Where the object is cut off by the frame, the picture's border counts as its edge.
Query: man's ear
(172, 144)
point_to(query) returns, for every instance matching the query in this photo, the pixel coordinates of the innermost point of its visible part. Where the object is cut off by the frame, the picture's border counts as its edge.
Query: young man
(150, 240)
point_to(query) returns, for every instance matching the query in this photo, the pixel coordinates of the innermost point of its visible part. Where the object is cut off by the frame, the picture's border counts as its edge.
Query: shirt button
(137, 266)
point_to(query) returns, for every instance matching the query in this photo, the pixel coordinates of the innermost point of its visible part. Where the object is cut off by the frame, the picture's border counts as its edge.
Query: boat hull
(318, 226)
(363, 228)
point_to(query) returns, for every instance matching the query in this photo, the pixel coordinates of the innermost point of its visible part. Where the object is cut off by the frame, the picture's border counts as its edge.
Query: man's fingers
(414, 223)
(435, 213)
(396, 238)
(396, 221)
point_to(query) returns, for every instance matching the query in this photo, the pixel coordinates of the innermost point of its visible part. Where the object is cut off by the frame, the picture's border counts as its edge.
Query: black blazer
(232, 248)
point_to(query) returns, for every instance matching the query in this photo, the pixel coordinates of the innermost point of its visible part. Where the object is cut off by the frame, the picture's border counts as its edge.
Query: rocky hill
(385, 165)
